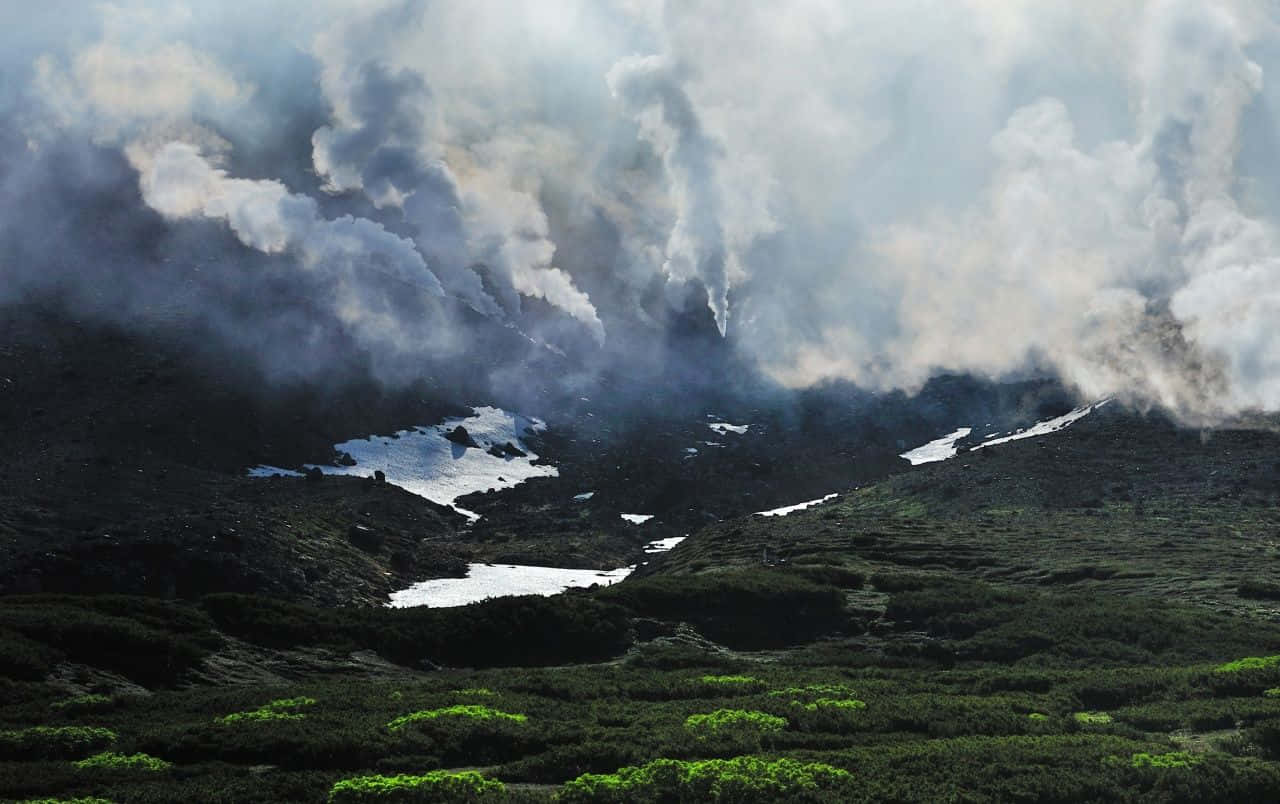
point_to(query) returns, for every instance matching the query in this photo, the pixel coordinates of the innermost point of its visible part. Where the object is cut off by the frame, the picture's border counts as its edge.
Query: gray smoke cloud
(875, 192)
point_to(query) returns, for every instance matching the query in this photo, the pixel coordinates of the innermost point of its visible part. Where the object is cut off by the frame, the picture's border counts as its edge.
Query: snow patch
(421, 461)
(791, 509)
(584, 496)
(937, 450)
(663, 545)
(724, 427)
(484, 581)
(1045, 427)
(637, 519)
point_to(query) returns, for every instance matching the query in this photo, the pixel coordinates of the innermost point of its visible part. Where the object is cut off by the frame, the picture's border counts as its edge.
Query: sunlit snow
(637, 519)
(584, 496)
(791, 509)
(663, 545)
(724, 427)
(945, 447)
(937, 450)
(1045, 427)
(423, 462)
(484, 581)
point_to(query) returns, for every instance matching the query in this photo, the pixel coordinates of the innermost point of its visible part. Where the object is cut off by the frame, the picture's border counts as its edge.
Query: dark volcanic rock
(461, 437)
(314, 475)
(366, 538)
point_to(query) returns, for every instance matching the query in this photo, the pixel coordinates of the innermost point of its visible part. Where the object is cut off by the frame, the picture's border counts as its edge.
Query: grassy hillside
(1085, 617)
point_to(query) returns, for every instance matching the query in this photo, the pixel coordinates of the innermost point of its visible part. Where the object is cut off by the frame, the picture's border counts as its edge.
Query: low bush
(737, 721)
(744, 780)
(1248, 663)
(282, 709)
(473, 711)
(435, 786)
(744, 609)
(84, 703)
(124, 762)
(53, 742)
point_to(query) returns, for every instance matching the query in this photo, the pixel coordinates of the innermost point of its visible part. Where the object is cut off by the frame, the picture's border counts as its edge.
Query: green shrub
(1038, 717)
(1274, 692)
(282, 709)
(1173, 759)
(1248, 663)
(84, 703)
(477, 692)
(124, 762)
(745, 780)
(474, 711)
(738, 721)
(846, 704)
(732, 680)
(53, 742)
(68, 801)
(429, 787)
(1092, 718)
(815, 691)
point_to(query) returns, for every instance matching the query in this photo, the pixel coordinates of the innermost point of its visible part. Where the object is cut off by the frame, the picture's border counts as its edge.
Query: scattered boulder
(345, 459)
(496, 451)
(461, 437)
(314, 475)
(513, 451)
(379, 476)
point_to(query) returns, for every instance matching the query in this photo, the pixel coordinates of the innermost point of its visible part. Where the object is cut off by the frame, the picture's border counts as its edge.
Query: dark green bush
(745, 609)
(53, 742)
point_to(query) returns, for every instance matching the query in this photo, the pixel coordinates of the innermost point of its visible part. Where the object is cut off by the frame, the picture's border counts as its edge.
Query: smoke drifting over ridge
(876, 192)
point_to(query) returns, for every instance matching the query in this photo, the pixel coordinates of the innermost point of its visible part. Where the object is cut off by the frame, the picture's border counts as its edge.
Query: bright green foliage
(433, 786)
(1274, 692)
(281, 709)
(128, 762)
(1038, 717)
(1092, 718)
(53, 742)
(815, 690)
(733, 681)
(743, 779)
(735, 720)
(83, 702)
(478, 692)
(459, 710)
(1249, 663)
(1173, 759)
(848, 704)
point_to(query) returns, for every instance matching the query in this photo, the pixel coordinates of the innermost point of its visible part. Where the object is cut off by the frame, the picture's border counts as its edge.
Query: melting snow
(584, 496)
(1045, 427)
(938, 449)
(421, 461)
(663, 545)
(724, 427)
(484, 581)
(945, 447)
(637, 519)
(791, 509)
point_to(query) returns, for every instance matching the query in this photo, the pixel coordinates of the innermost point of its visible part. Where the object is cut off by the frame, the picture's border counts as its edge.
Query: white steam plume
(179, 183)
